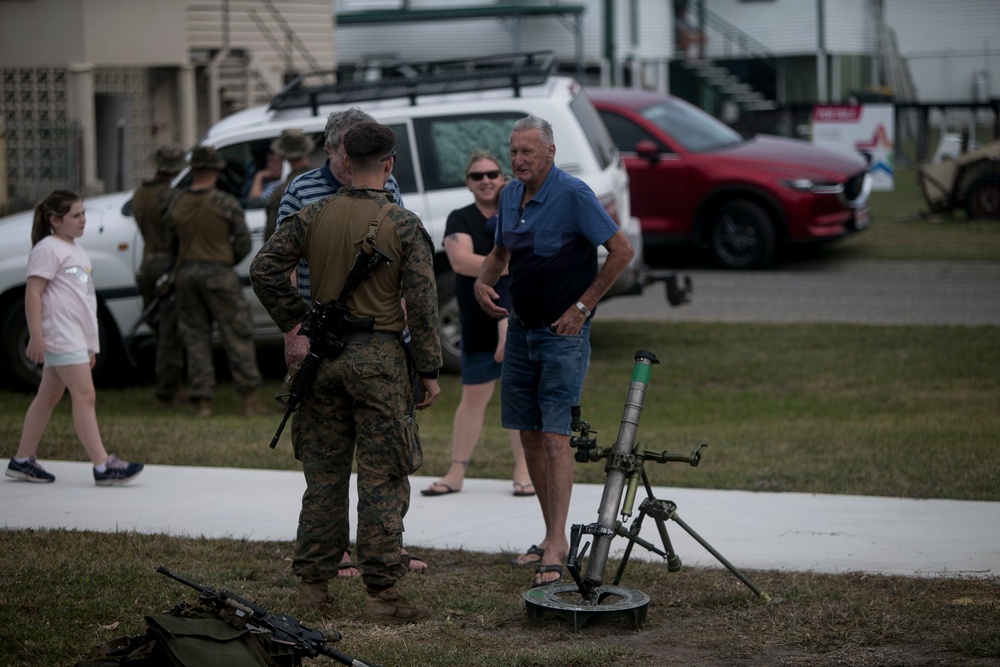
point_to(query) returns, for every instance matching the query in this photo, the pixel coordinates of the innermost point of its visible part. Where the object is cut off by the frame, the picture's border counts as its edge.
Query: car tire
(449, 324)
(19, 371)
(742, 236)
(22, 373)
(983, 200)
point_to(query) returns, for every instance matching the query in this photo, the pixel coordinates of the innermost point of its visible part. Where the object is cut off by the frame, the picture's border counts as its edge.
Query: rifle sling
(376, 222)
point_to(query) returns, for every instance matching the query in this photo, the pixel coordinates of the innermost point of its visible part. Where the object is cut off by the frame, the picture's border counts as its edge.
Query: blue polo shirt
(552, 243)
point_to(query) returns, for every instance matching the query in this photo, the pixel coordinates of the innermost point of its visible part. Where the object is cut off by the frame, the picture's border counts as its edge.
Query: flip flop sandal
(346, 565)
(543, 569)
(521, 490)
(434, 492)
(533, 550)
(409, 558)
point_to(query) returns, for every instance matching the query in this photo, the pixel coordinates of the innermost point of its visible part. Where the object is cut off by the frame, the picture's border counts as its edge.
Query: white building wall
(125, 33)
(466, 38)
(785, 27)
(849, 27)
(654, 26)
(310, 20)
(953, 48)
(790, 27)
(104, 33)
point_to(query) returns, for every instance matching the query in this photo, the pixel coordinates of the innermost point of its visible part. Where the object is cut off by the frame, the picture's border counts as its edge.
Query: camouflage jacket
(327, 233)
(207, 226)
(149, 208)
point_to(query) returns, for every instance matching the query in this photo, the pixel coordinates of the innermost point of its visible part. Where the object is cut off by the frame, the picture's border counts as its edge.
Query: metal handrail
(747, 45)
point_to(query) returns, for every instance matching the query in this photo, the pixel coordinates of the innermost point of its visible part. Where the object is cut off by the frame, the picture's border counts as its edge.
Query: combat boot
(312, 593)
(388, 607)
(251, 406)
(203, 407)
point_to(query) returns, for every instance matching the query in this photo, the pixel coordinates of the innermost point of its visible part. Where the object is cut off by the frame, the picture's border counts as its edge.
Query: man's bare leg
(550, 465)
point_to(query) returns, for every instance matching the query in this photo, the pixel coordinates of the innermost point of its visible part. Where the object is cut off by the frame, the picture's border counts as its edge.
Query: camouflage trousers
(169, 366)
(360, 406)
(207, 293)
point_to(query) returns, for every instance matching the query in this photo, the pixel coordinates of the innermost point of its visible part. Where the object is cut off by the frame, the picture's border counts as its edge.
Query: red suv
(695, 179)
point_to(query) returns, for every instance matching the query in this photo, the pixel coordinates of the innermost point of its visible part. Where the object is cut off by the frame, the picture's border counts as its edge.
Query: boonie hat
(169, 159)
(205, 157)
(292, 144)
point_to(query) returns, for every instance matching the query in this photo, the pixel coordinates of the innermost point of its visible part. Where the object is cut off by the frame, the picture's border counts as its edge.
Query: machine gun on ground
(328, 327)
(284, 629)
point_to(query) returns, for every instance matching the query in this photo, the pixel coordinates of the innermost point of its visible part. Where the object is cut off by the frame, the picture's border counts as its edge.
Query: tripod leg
(729, 566)
(636, 525)
(673, 560)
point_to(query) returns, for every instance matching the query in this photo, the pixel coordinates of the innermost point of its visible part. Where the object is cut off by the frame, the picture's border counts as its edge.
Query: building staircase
(231, 73)
(246, 52)
(729, 85)
(742, 71)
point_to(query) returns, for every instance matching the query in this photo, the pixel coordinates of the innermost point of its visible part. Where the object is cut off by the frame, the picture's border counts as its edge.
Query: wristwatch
(582, 308)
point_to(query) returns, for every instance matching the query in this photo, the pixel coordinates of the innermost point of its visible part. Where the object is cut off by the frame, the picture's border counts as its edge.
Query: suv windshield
(691, 127)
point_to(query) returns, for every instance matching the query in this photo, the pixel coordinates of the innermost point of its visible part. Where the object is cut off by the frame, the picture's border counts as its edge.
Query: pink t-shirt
(69, 301)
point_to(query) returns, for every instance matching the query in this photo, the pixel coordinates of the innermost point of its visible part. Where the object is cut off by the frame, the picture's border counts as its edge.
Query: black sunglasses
(388, 157)
(480, 175)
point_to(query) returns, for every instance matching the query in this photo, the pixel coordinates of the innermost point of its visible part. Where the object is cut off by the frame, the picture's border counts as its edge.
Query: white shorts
(68, 359)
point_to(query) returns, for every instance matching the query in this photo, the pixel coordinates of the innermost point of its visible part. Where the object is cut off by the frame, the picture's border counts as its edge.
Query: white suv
(440, 115)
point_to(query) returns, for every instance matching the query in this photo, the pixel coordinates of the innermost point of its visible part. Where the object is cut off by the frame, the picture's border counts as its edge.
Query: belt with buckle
(529, 324)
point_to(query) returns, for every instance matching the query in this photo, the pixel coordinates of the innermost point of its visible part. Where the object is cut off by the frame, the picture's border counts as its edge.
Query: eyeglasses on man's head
(388, 157)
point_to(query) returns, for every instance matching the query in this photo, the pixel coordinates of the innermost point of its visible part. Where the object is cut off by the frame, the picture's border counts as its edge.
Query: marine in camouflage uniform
(361, 403)
(294, 146)
(206, 228)
(149, 206)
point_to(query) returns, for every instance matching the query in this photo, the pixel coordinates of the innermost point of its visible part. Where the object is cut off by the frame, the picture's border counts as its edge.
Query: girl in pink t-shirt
(60, 305)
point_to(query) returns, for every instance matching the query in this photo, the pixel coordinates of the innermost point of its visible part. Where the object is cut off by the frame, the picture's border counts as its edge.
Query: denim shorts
(68, 359)
(542, 377)
(479, 368)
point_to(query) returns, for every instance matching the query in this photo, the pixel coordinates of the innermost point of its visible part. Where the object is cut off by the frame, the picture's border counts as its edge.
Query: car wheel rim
(735, 241)
(987, 202)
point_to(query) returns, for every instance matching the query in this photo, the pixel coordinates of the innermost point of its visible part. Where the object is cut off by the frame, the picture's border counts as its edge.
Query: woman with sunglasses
(468, 238)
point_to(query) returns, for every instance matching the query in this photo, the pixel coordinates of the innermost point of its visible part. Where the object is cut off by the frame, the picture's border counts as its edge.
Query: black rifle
(163, 294)
(328, 327)
(284, 629)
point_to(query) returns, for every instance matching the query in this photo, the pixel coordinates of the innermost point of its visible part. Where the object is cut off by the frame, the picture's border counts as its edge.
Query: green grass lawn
(824, 408)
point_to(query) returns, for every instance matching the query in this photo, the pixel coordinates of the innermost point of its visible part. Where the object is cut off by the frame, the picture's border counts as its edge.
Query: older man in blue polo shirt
(550, 226)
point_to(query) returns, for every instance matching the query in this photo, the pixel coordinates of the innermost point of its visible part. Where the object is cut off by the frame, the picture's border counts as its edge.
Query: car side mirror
(648, 149)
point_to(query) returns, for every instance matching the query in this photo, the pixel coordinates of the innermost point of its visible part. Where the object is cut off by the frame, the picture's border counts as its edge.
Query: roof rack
(412, 80)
